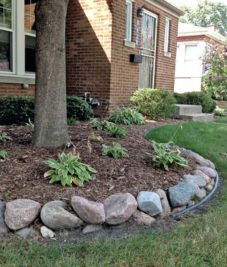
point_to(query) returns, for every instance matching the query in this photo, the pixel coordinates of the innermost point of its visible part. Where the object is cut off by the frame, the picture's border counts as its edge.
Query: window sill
(167, 54)
(129, 44)
(4, 78)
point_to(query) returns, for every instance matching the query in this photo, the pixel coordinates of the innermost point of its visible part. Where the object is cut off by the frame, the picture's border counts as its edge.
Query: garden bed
(21, 175)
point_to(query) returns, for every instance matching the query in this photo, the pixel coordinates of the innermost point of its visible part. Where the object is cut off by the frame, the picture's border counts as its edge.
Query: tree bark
(50, 98)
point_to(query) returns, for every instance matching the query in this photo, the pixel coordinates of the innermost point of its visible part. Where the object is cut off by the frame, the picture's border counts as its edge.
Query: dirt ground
(21, 175)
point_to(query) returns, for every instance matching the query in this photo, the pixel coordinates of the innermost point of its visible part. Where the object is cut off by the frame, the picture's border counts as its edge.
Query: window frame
(194, 44)
(128, 20)
(167, 37)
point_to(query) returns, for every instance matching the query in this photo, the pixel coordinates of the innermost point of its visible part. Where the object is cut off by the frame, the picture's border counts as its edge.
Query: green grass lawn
(199, 241)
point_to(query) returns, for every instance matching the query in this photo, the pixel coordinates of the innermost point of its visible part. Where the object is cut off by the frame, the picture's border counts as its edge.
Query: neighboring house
(192, 42)
(106, 41)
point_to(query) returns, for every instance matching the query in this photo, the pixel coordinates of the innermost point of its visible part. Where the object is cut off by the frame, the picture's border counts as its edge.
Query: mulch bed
(21, 175)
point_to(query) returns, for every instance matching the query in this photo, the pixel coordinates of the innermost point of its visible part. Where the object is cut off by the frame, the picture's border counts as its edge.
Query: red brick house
(106, 42)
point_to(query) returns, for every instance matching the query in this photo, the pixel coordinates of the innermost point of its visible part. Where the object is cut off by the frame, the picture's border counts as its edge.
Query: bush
(127, 116)
(20, 110)
(154, 103)
(197, 98)
(68, 169)
(115, 150)
(165, 155)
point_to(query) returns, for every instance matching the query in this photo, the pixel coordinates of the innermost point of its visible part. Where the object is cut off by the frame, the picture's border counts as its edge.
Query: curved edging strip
(197, 205)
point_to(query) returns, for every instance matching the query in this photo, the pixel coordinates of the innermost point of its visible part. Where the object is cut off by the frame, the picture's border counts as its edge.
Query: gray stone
(54, 216)
(3, 227)
(89, 211)
(199, 159)
(142, 218)
(200, 173)
(195, 179)
(20, 213)
(209, 187)
(181, 194)
(46, 232)
(201, 193)
(1, 197)
(119, 208)
(150, 203)
(166, 210)
(91, 228)
(26, 233)
(208, 171)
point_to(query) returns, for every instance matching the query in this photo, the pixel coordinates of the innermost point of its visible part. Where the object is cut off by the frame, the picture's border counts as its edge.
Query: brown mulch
(21, 175)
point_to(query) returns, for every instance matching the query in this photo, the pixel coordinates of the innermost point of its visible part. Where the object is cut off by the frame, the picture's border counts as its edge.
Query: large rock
(199, 159)
(3, 227)
(208, 171)
(142, 218)
(149, 202)
(89, 211)
(26, 233)
(166, 210)
(200, 173)
(181, 194)
(195, 179)
(119, 208)
(55, 216)
(20, 213)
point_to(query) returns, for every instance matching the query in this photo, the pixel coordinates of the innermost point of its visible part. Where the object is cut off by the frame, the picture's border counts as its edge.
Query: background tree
(207, 13)
(50, 99)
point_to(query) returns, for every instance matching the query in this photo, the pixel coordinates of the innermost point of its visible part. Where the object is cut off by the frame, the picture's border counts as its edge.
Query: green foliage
(20, 110)
(115, 150)
(94, 137)
(68, 169)
(207, 13)
(165, 155)
(4, 137)
(30, 124)
(127, 116)
(154, 103)
(219, 112)
(215, 80)
(197, 98)
(3, 154)
(108, 126)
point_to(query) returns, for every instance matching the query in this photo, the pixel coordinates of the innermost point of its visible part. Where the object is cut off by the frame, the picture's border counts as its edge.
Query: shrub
(219, 112)
(4, 137)
(154, 103)
(3, 154)
(165, 155)
(127, 116)
(197, 98)
(68, 169)
(108, 127)
(115, 150)
(20, 110)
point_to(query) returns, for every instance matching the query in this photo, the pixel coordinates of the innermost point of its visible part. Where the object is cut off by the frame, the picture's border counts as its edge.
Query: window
(191, 52)
(128, 20)
(17, 38)
(6, 35)
(167, 37)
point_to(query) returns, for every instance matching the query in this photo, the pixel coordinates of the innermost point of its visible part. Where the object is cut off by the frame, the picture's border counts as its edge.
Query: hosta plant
(68, 170)
(127, 116)
(166, 155)
(115, 150)
(3, 154)
(4, 137)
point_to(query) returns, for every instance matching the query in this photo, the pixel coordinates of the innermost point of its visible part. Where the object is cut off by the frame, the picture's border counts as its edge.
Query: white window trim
(18, 72)
(128, 22)
(167, 52)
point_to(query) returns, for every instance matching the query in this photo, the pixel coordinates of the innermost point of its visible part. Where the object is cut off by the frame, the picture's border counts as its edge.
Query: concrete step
(188, 109)
(198, 117)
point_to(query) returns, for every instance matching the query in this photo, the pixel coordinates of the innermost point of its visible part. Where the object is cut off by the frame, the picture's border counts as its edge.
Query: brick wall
(7, 89)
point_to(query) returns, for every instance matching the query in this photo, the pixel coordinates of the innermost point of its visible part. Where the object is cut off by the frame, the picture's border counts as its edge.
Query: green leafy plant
(68, 169)
(108, 126)
(30, 124)
(3, 154)
(127, 116)
(94, 137)
(115, 150)
(166, 155)
(219, 112)
(154, 103)
(4, 137)
(197, 98)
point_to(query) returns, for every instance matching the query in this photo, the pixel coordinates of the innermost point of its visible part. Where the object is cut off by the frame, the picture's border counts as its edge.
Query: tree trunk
(50, 98)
